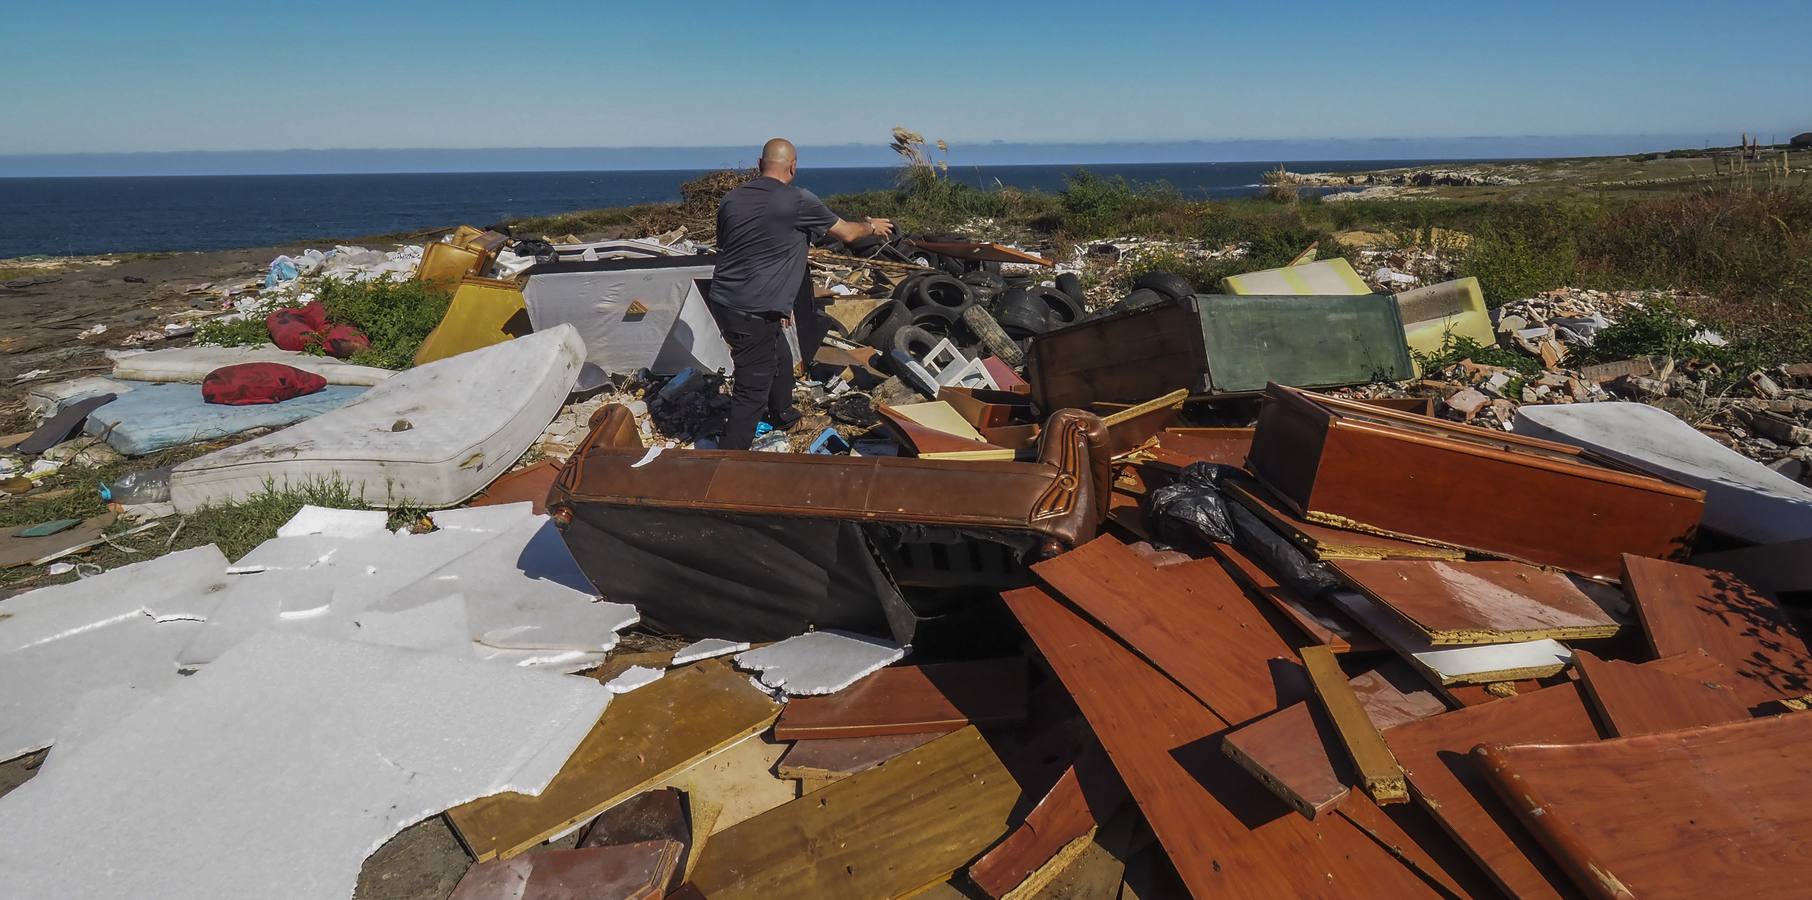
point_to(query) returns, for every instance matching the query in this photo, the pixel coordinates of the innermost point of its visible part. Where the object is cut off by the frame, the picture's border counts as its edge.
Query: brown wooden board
(1483, 602)
(643, 737)
(818, 763)
(530, 484)
(1190, 620)
(1082, 800)
(1471, 664)
(1126, 358)
(1392, 693)
(882, 833)
(1681, 691)
(912, 700)
(1446, 782)
(1376, 769)
(1411, 835)
(1226, 834)
(638, 871)
(1363, 468)
(1683, 608)
(1318, 621)
(1296, 754)
(1325, 541)
(1716, 811)
(1226, 446)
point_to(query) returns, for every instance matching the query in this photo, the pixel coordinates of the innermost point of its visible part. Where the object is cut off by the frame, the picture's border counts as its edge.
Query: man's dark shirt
(762, 231)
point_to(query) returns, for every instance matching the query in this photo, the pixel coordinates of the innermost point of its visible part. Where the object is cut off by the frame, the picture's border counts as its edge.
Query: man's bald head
(778, 157)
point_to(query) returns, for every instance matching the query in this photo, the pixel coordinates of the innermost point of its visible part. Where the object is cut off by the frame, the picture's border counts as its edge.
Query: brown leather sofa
(838, 533)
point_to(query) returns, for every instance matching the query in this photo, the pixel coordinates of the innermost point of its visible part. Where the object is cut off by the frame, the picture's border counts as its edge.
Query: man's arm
(847, 231)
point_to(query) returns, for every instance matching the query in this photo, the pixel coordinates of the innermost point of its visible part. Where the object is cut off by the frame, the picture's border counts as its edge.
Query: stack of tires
(979, 312)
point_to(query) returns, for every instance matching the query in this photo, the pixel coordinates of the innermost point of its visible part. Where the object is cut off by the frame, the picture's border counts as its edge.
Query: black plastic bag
(1190, 508)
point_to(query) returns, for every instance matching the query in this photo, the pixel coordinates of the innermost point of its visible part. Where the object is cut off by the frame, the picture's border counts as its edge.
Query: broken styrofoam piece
(341, 523)
(351, 742)
(117, 631)
(522, 599)
(819, 662)
(634, 677)
(706, 649)
(430, 436)
(1743, 498)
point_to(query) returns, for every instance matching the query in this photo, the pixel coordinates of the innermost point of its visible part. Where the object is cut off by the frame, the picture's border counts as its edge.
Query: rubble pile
(1198, 590)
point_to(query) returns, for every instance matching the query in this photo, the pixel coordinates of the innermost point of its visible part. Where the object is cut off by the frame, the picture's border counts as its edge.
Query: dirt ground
(46, 304)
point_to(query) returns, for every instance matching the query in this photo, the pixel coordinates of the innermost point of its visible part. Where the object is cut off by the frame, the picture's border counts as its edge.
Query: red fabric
(295, 329)
(247, 384)
(305, 327)
(344, 340)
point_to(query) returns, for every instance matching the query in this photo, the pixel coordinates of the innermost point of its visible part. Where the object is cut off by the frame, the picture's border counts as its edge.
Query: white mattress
(1743, 498)
(429, 436)
(189, 365)
(629, 319)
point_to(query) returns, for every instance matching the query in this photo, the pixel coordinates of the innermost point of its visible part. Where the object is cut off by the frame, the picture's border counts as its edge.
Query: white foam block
(706, 649)
(287, 762)
(634, 677)
(1743, 498)
(120, 630)
(342, 523)
(819, 662)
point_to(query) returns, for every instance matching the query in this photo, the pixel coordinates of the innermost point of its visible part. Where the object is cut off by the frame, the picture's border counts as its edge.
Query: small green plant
(396, 315)
(1457, 348)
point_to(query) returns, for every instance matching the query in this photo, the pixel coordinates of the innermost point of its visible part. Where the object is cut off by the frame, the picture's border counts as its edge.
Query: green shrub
(1512, 263)
(1456, 349)
(396, 315)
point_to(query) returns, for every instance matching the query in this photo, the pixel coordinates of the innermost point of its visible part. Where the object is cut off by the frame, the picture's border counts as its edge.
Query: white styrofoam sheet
(819, 662)
(281, 768)
(1446, 663)
(430, 436)
(189, 365)
(1743, 498)
(119, 631)
(706, 649)
(634, 677)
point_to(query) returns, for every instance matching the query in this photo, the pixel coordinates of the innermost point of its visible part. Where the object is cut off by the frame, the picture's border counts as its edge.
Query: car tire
(993, 339)
(1171, 285)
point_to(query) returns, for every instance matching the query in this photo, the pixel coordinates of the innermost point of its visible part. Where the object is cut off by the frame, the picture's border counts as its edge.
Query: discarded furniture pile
(1147, 601)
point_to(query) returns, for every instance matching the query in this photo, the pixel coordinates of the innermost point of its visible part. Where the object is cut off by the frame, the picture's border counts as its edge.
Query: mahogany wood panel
(1485, 602)
(1716, 811)
(1392, 694)
(1685, 608)
(837, 758)
(1406, 476)
(1448, 783)
(1315, 618)
(1226, 834)
(1296, 754)
(1325, 541)
(912, 700)
(1225, 446)
(1190, 620)
(1681, 691)
(1084, 797)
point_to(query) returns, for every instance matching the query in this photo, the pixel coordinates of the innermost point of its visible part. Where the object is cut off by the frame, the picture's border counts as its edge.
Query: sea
(120, 214)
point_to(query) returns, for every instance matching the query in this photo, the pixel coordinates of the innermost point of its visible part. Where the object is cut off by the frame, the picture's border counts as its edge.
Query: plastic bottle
(133, 488)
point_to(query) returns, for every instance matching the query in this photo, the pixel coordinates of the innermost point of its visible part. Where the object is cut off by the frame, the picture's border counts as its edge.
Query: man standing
(763, 230)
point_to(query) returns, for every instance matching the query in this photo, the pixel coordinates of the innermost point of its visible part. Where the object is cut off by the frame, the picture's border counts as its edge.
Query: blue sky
(119, 77)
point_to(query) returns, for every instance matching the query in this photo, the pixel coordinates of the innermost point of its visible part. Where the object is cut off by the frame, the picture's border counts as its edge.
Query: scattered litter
(819, 662)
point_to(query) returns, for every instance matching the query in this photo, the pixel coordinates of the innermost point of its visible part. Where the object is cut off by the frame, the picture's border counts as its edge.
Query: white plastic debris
(122, 628)
(287, 762)
(340, 523)
(706, 649)
(634, 677)
(819, 662)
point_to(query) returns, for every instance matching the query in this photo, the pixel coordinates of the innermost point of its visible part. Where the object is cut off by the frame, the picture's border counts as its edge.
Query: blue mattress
(155, 417)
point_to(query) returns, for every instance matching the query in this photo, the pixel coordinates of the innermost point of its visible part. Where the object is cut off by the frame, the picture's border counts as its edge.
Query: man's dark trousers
(764, 373)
